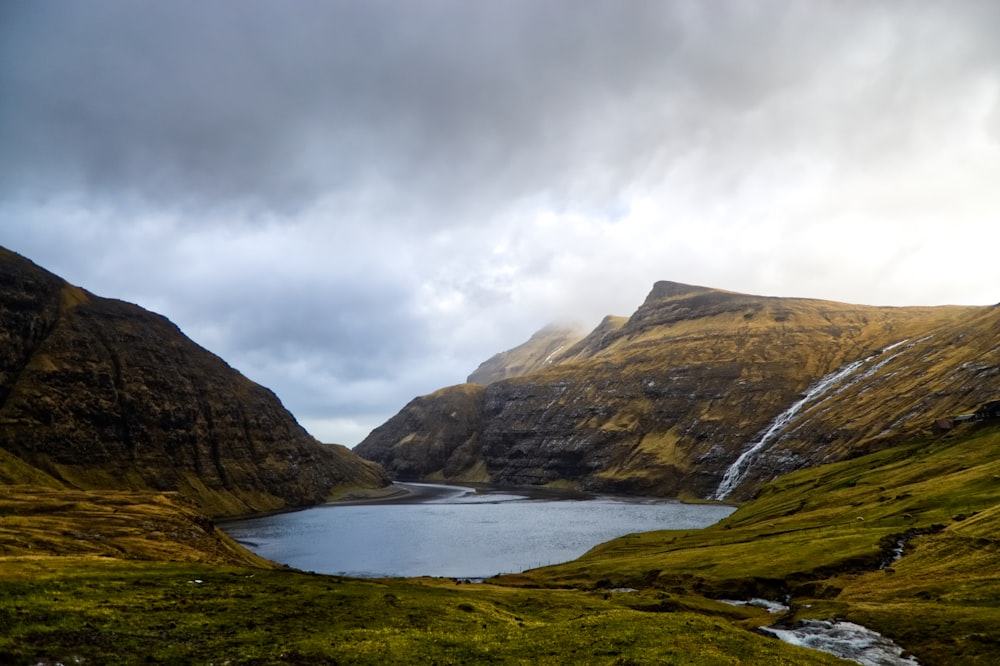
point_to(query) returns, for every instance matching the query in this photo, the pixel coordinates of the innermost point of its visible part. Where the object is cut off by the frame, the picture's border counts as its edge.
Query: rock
(434, 437)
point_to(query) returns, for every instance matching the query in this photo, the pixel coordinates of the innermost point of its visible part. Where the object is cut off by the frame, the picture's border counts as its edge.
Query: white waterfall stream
(845, 640)
(822, 389)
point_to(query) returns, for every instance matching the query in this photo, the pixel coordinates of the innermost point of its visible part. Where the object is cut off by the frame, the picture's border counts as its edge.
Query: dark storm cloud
(268, 105)
(272, 104)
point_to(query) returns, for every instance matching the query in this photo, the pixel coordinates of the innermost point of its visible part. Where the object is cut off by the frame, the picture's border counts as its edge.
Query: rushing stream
(841, 639)
(845, 640)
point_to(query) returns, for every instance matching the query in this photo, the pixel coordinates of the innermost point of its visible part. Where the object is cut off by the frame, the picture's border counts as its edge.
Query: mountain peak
(664, 289)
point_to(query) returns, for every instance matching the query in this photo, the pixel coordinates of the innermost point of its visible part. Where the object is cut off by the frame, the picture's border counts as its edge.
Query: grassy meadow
(101, 610)
(133, 578)
(824, 536)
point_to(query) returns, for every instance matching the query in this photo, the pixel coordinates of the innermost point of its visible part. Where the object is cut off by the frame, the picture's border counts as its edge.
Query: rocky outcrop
(667, 401)
(101, 394)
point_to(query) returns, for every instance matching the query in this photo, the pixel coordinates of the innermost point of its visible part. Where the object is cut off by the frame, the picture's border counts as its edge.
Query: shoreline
(417, 492)
(397, 493)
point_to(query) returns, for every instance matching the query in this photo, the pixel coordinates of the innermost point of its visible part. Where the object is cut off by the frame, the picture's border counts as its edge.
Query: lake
(457, 532)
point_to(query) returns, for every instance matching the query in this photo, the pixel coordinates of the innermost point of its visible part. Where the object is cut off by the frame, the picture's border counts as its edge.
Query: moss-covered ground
(101, 610)
(822, 536)
(130, 578)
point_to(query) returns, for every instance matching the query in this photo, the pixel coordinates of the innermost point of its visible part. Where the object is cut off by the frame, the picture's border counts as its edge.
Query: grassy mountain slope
(40, 522)
(434, 438)
(537, 353)
(665, 402)
(821, 534)
(101, 394)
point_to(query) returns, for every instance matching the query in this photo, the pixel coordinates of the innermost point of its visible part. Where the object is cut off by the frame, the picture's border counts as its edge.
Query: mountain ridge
(539, 351)
(665, 401)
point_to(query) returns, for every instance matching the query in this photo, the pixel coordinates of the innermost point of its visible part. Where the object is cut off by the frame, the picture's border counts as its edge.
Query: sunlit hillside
(669, 401)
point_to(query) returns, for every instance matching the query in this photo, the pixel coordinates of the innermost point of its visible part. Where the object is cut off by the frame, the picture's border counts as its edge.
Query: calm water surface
(457, 532)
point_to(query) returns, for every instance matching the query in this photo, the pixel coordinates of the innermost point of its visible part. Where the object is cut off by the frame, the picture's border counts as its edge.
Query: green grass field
(820, 535)
(98, 578)
(101, 610)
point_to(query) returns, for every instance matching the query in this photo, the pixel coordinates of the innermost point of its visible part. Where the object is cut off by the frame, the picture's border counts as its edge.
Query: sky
(356, 203)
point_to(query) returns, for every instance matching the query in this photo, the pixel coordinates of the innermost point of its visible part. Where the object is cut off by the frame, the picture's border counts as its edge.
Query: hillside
(902, 541)
(535, 354)
(100, 394)
(667, 401)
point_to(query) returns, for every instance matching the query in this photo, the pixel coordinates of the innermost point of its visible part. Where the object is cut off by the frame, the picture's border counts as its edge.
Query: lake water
(457, 532)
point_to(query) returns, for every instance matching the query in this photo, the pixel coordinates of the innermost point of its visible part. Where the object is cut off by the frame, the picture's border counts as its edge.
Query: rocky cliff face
(98, 393)
(669, 400)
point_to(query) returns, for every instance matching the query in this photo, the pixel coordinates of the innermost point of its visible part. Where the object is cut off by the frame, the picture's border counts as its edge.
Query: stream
(846, 640)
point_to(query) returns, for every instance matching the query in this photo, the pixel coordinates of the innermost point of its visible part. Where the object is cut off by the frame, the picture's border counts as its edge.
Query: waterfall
(821, 389)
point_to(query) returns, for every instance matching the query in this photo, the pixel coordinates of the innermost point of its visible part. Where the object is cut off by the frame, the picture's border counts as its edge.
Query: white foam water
(772, 607)
(845, 640)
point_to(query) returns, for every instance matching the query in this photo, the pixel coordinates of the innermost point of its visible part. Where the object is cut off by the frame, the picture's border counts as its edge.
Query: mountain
(100, 394)
(902, 541)
(704, 392)
(535, 354)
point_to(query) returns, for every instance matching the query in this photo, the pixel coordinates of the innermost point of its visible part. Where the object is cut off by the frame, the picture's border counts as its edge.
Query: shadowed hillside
(101, 394)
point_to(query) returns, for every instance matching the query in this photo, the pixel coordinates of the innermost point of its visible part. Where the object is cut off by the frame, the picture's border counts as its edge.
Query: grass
(96, 610)
(820, 535)
(146, 578)
(942, 598)
(37, 521)
(112, 578)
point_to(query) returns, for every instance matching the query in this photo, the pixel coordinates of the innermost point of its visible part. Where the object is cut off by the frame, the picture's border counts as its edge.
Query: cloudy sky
(355, 203)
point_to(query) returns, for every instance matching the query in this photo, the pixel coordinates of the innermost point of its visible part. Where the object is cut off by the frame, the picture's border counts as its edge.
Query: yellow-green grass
(39, 521)
(99, 610)
(942, 599)
(818, 535)
(821, 534)
(112, 577)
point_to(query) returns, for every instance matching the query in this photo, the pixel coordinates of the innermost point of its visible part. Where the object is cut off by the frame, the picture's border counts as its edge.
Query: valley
(99, 394)
(823, 539)
(831, 427)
